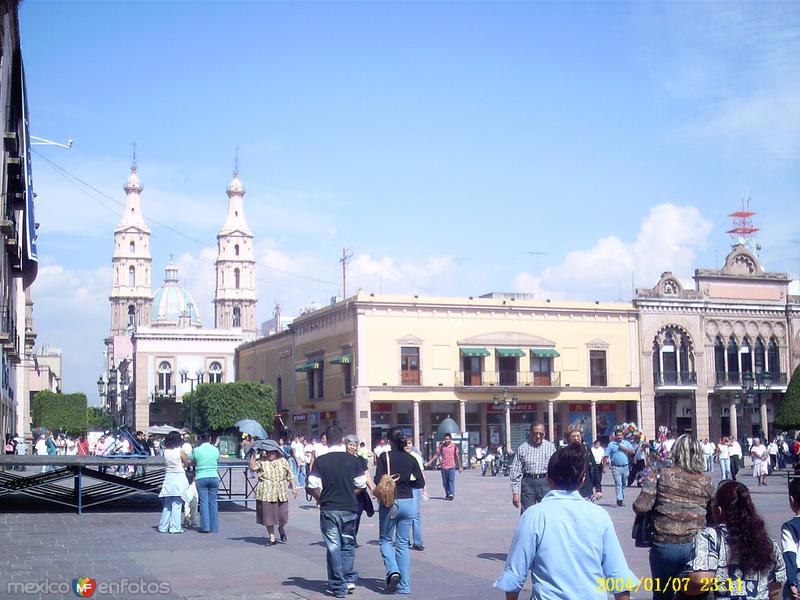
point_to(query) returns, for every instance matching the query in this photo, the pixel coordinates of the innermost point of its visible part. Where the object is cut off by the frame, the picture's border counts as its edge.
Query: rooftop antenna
(743, 232)
(133, 166)
(347, 254)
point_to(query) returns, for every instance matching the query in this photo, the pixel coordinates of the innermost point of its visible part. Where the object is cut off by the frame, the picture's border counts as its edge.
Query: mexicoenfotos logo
(84, 587)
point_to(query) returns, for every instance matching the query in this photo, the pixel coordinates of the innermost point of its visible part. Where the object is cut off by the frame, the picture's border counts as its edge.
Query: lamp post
(199, 379)
(506, 402)
(102, 388)
(753, 387)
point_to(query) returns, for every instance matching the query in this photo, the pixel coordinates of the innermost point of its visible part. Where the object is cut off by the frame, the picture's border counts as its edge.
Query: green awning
(344, 359)
(309, 366)
(513, 352)
(474, 352)
(544, 352)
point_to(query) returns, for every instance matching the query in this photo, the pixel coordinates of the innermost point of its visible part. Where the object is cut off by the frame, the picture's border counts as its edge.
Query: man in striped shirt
(529, 471)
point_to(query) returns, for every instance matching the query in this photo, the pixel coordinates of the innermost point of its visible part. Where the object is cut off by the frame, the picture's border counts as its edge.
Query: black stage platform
(81, 482)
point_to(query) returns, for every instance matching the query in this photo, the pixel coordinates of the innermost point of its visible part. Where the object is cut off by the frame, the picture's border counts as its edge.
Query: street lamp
(753, 388)
(199, 379)
(506, 402)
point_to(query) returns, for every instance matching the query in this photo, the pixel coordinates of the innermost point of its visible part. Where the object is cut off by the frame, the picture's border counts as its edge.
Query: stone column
(593, 423)
(363, 414)
(551, 428)
(764, 420)
(462, 415)
(647, 419)
(415, 411)
(508, 426)
(733, 427)
(484, 425)
(700, 413)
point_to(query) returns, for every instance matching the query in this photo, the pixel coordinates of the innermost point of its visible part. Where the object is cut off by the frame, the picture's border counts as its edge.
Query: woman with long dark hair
(736, 558)
(395, 521)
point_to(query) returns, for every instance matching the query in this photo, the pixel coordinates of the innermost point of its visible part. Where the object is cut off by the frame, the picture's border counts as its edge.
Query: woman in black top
(395, 522)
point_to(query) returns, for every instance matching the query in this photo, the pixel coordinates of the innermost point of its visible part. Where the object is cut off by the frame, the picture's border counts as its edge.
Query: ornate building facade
(158, 349)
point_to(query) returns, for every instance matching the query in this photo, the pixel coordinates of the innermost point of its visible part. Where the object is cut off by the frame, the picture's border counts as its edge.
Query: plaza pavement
(466, 542)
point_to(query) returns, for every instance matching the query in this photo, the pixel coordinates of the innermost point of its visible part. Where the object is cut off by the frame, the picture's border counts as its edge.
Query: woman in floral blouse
(275, 479)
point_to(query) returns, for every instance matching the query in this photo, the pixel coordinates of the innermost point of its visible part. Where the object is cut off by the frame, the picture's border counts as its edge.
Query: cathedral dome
(173, 306)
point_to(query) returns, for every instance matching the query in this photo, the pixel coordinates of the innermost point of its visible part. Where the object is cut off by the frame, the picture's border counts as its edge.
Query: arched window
(733, 360)
(132, 247)
(132, 276)
(237, 316)
(131, 315)
(760, 357)
(773, 359)
(164, 377)
(236, 249)
(215, 373)
(719, 360)
(236, 278)
(747, 356)
(673, 357)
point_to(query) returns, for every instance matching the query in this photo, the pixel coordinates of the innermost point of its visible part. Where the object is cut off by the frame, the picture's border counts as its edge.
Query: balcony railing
(734, 378)
(675, 378)
(507, 379)
(8, 331)
(409, 378)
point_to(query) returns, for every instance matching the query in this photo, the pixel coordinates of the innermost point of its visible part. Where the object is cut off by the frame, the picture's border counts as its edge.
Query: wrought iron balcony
(675, 378)
(736, 379)
(507, 379)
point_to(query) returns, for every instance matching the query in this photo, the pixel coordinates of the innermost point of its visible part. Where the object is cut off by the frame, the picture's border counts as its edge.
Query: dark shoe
(620, 503)
(419, 547)
(283, 538)
(450, 497)
(391, 582)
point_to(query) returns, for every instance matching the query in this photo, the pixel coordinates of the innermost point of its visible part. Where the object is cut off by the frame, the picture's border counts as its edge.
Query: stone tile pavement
(465, 545)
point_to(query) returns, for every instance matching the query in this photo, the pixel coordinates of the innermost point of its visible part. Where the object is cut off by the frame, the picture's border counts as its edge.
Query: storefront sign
(299, 418)
(580, 408)
(329, 415)
(524, 407)
(381, 407)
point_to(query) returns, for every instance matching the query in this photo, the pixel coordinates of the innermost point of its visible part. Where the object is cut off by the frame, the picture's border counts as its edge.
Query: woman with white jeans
(724, 458)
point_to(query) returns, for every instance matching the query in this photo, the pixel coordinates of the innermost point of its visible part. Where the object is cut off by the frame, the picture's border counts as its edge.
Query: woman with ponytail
(735, 558)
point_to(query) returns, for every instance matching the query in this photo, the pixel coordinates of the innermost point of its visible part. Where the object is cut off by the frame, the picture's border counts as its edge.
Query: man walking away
(736, 458)
(619, 453)
(335, 478)
(449, 460)
(529, 471)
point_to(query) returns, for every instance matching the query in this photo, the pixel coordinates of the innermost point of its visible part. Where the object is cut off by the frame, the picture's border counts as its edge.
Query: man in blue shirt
(568, 544)
(619, 453)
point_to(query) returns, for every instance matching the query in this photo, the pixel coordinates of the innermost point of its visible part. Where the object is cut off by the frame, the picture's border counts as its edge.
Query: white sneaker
(351, 587)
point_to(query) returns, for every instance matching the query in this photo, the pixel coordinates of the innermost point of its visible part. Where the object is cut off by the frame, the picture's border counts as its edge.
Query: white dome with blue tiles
(173, 306)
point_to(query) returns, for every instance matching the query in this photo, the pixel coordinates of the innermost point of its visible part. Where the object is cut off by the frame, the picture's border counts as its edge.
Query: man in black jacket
(334, 481)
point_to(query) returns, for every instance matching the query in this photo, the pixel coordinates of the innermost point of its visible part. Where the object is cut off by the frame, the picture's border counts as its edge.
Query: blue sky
(442, 142)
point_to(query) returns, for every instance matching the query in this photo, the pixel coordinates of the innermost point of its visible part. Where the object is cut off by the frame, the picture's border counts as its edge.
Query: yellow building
(494, 364)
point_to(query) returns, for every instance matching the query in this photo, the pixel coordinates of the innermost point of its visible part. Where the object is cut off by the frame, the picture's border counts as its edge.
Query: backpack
(10, 448)
(386, 490)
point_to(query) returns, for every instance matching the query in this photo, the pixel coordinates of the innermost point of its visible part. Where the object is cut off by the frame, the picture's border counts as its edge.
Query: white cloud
(668, 240)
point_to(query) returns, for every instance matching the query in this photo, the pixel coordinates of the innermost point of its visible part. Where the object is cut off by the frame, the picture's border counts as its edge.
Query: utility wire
(77, 182)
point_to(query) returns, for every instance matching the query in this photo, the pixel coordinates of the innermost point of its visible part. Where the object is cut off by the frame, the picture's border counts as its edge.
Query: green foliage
(788, 416)
(63, 412)
(218, 406)
(99, 419)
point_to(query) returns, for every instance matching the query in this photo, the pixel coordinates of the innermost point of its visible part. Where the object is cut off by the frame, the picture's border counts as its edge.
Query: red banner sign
(607, 407)
(580, 408)
(381, 407)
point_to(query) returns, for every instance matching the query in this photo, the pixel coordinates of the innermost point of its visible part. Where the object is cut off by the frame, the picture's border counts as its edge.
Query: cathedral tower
(235, 296)
(130, 293)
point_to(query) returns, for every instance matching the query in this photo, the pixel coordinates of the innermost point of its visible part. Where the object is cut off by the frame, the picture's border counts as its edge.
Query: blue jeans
(668, 560)
(725, 467)
(395, 526)
(171, 514)
(620, 479)
(338, 529)
(449, 481)
(416, 521)
(207, 492)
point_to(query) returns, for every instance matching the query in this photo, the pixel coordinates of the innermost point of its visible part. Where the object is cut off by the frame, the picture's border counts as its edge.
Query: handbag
(644, 526)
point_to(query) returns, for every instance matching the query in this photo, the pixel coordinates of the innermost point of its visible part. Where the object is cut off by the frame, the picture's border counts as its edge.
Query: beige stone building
(495, 364)
(701, 348)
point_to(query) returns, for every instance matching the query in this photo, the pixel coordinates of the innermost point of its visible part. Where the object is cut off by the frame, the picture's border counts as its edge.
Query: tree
(99, 419)
(56, 411)
(788, 416)
(218, 406)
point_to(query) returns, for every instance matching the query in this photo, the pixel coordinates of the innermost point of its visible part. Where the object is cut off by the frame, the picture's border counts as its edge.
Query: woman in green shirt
(206, 477)
(275, 479)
